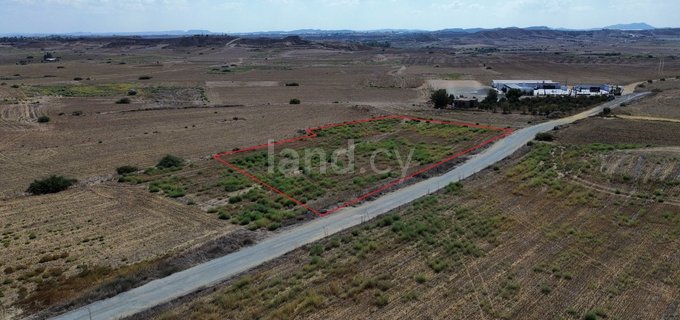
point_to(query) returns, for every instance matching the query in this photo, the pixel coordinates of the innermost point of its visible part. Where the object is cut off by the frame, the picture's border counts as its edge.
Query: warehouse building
(592, 89)
(526, 86)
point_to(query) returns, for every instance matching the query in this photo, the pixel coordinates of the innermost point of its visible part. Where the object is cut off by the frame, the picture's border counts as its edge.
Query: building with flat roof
(592, 89)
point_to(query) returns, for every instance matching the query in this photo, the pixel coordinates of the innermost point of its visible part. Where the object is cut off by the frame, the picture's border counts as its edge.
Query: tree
(491, 98)
(514, 94)
(51, 184)
(440, 98)
(606, 111)
(170, 161)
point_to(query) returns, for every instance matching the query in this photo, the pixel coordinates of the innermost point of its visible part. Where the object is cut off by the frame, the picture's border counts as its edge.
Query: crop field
(537, 238)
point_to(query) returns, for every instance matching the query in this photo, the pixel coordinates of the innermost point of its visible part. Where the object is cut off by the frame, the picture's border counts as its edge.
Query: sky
(232, 16)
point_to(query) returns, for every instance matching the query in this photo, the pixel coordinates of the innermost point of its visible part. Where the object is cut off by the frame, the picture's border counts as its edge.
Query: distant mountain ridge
(631, 26)
(638, 26)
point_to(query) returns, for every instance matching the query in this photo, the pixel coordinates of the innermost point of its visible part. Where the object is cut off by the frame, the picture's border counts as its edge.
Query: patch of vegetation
(104, 90)
(51, 184)
(544, 136)
(170, 161)
(125, 170)
(145, 78)
(43, 119)
(295, 101)
(171, 187)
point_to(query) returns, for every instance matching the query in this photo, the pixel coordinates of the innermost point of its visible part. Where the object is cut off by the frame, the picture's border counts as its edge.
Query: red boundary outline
(311, 133)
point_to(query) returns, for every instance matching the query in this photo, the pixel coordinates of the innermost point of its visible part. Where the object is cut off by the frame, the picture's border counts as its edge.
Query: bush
(295, 101)
(145, 78)
(43, 119)
(123, 101)
(51, 184)
(292, 84)
(544, 136)
(132, 92)
(606, 111)
(77, 79)
(170, 161)
(126, 170)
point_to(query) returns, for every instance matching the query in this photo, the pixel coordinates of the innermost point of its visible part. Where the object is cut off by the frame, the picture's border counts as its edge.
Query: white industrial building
(533, 87)
(551, 92)
(592, 89)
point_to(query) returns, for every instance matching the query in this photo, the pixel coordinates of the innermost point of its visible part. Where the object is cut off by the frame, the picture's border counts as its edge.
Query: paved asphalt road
(218, 270)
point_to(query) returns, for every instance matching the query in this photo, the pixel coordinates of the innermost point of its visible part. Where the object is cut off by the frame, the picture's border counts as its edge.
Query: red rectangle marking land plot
(311, 133)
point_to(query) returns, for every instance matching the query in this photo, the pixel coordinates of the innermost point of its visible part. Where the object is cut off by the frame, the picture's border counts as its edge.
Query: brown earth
(202, 110)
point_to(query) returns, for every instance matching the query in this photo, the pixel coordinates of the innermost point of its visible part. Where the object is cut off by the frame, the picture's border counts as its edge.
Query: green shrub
(124, 170)
(170, 161)
(295, 101)
(77, 79)
(292, 84)
(381, 300)
(440, 98)
(145, 78)
(43, 119)
(123, 101)
(316, 250)
(544, 136)
(51, 184)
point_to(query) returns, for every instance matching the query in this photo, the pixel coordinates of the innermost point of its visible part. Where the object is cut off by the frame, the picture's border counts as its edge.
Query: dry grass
(490, 250)
(98, 227)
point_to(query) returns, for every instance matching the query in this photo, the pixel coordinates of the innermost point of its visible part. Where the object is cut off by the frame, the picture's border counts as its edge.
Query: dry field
(664, 105)
(55, 237)
(542, 236)
(194, 102)
(621, 131)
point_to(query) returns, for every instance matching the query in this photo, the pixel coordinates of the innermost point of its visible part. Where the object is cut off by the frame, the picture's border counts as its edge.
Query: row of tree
(513, 102)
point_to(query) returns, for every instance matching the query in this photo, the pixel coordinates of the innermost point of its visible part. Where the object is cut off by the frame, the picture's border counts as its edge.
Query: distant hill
(320, 33)
(630, 26)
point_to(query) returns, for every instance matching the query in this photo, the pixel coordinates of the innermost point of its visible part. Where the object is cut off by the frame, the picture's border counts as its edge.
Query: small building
(592, 89)
(562, 91)
(465, 103)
